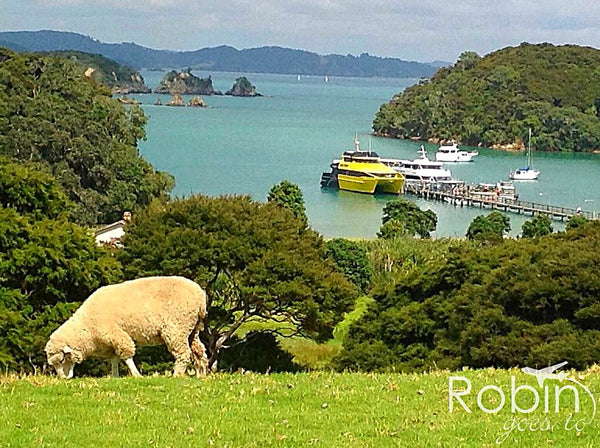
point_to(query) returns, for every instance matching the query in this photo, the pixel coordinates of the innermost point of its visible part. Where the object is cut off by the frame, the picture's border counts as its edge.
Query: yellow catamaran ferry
(363, 172)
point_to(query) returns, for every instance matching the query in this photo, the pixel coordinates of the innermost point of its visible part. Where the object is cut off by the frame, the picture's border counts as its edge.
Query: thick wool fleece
(146, 311)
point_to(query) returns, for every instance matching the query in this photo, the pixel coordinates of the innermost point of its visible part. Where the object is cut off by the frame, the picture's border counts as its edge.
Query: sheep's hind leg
(199, 357)
(182, 360)
(132, 368)
(180, 350)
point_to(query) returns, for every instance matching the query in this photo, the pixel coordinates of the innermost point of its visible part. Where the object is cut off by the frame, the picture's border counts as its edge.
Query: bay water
(246, 145)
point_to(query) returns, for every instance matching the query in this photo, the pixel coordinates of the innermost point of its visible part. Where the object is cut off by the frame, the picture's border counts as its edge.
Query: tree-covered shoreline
(492, 101)
(52, 115)
(69, 159)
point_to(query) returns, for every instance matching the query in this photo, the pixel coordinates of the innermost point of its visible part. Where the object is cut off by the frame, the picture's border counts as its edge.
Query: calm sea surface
(246, 145)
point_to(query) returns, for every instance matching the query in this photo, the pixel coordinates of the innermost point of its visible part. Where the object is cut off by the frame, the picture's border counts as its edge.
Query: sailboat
(527, 172)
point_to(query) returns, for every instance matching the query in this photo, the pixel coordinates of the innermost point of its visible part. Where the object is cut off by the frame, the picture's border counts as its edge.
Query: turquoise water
(246, 145)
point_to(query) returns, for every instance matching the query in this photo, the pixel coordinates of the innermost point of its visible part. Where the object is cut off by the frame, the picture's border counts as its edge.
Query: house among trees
(111, 234)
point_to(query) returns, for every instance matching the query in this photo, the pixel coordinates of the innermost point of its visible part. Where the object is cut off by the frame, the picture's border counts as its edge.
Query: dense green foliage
(255, 260)
(576, 222)
(47, 264)
(51, 114)
(403, 217)
(494, 100)
(223, 58)
(490, 228)
(524, 302)
(29, 191)
(117, 77)
(351, 259)
(288, 195)
(539, 225)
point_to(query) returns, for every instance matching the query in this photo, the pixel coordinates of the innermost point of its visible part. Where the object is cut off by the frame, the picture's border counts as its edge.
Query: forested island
(492, 101)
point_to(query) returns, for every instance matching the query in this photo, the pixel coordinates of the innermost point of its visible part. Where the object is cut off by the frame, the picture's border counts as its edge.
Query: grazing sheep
(146, 311)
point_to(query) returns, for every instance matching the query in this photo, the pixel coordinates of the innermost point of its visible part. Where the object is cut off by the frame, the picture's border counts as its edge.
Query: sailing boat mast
(529, 150)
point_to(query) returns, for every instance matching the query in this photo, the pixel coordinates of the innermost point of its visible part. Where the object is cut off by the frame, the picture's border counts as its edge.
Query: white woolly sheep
(146, 311)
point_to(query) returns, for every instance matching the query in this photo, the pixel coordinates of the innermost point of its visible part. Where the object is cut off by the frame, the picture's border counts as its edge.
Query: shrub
(351, 260)
(519, 303)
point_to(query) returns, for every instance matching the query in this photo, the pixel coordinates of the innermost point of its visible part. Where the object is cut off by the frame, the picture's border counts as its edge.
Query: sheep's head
(63, 359)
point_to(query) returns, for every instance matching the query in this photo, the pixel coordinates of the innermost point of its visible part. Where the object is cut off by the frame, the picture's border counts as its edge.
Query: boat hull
(464, 157)
(369, 185)
(524, 175)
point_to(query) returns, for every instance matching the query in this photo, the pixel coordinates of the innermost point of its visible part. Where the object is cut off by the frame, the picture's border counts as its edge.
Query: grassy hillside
(492, 101)
(282, 410)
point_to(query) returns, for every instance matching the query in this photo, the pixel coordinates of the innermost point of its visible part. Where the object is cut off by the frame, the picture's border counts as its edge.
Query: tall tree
(490, 228)
(539, 225)
(289, 195)
(351, 259)
(255, 260)
(402, 216)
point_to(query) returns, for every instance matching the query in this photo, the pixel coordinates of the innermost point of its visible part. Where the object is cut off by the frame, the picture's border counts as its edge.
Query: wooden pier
(464, 197)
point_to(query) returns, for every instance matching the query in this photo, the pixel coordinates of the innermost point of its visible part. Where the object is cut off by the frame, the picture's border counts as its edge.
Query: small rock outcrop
(243, 87)
(125, 100)
(158, 102)
(196, 102)
(176, 101)
(186, 83)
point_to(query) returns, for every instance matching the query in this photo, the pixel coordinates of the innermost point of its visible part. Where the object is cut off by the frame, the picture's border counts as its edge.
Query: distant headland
(223, 58)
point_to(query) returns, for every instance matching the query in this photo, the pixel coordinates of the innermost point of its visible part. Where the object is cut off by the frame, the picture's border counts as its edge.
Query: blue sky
(421, 30)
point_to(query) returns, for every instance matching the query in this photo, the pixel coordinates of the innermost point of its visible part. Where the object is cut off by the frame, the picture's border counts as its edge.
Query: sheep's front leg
(114, 367)
(132, 368)
(124, 347)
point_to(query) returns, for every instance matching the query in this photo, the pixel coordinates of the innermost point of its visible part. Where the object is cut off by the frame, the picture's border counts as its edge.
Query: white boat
(527, 172)
(452, 153)
(421, 170)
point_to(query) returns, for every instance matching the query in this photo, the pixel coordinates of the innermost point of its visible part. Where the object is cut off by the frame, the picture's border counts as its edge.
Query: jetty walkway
(494, 198)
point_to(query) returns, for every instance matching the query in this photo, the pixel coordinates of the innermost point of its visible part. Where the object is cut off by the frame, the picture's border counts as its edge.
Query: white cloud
(410, 29)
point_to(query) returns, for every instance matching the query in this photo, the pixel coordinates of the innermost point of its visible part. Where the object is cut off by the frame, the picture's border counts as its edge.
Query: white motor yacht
(421, 169)
(452, 153)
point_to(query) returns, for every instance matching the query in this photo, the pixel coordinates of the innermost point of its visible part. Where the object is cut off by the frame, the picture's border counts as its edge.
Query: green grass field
(283, 410)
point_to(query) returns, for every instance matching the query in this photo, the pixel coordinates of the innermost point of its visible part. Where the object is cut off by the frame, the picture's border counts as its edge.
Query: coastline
(516, 147)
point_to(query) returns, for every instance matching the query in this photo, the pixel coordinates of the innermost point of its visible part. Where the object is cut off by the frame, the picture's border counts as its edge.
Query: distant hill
(223, 58)
(120, 79)
(439, 64)
(492, 101)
